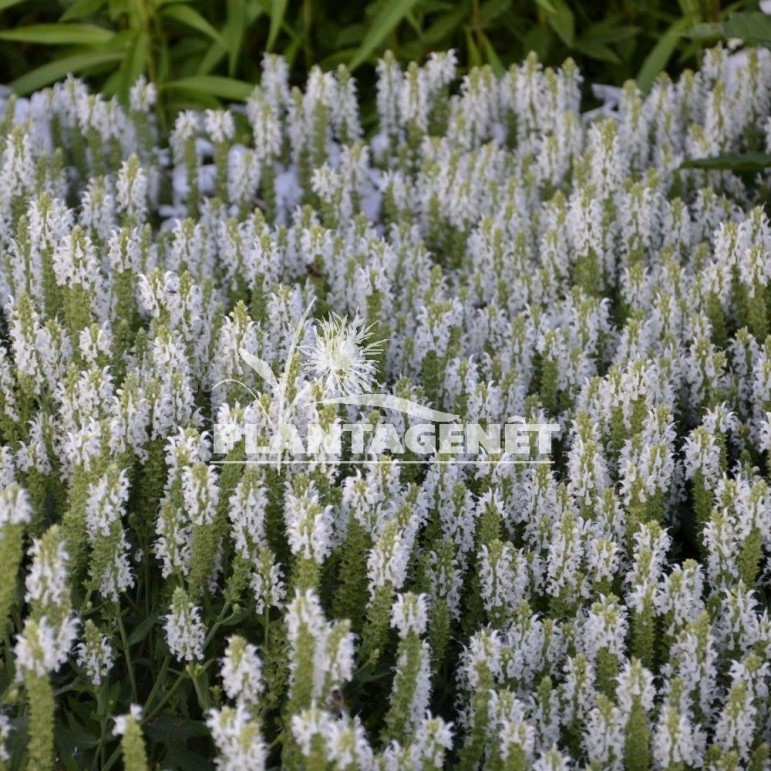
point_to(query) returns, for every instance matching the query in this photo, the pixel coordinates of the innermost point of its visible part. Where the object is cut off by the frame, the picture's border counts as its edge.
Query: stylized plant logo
(339, 359)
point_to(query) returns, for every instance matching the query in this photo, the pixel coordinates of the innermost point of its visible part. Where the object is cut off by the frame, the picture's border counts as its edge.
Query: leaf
(443, 27)
(82, 8)
(59, 34)
(731, 162)
(277, 13)
(474, 55)
(233, 32)
(143, 629)
(546, 5)
(9, 3)
(705, 31)
(562, 22)
(492, 56)
(260, 366)
(189, 17)
(56, 70)
(659, 57)
(387, 18)
(212, 85)
(752, 27)
(596, 50)
(167, 725)
(134, 64)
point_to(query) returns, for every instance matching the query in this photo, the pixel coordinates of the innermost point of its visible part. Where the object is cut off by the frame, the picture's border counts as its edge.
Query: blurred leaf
(59, 34)
(492, 57)
(233, 33)
(731, 162)
(609, 32)
(9, 3)
(56, 70)
(705, 31)
(143, 629)
(134, 64)
(474, 54)
(277, 13)
(546, 5)
(390, 14)
(82, 8)
(492, 9)
(213, 85)
(689, 8)
(659, 57)
(562, 22)
(343, 56)
(350, 36)
(596, 50)
(444, 26)
(752, 27)
(166, 725)
(189, 17)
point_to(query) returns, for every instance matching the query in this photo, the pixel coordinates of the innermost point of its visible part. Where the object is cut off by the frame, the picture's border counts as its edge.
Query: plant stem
(127, 654)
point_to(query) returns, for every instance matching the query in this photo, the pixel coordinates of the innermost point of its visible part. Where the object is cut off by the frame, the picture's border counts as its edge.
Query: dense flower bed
(489, 251)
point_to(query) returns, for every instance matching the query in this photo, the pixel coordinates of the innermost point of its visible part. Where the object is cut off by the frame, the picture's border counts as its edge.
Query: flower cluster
(488, 251)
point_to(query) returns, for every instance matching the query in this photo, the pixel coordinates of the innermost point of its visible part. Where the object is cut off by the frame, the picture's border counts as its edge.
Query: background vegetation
(201, 51)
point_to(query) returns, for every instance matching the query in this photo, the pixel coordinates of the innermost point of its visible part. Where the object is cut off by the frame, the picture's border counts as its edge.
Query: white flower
(94, 654)
(122, 722)
(409, 614)
(338, 356)
(5, 732)
(242, 672)
(185, 632)
(238, 740)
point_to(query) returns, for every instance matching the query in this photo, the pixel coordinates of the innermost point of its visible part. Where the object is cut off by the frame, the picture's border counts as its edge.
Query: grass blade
(59, 34)
(189, 17)
(53, 71)
(212, 85)
(387, 18)
(277, 14)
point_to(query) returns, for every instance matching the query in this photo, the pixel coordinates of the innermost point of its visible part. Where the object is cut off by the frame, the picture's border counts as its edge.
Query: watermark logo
(339, 365)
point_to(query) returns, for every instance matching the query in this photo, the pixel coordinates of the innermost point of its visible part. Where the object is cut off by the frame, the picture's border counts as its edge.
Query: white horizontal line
(378, 462)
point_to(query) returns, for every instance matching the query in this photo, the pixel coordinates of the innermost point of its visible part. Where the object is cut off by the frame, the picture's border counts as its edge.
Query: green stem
(127, 654)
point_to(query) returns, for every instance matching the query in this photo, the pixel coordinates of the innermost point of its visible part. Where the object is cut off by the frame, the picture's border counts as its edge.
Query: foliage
(198, 51)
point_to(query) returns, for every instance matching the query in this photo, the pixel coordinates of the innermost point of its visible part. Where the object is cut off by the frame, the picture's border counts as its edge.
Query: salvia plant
(488, 253)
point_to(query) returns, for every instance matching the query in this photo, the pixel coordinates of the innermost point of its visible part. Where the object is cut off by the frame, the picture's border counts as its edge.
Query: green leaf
(731, 162)
(659, 57)
(59, 34)
(233, 33)
(82, 8)
(143, 629)
(596, 50)
(474, 54)
(752, 27)
(277, 13)
(705, 31)
(492, 9)
(443, 27)
(134, 64)
(56, 70)
(387, 18)
(9, 3)
(212, 85)
(189, 17)
(562, 22)
(546, 5)
(492, 57)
